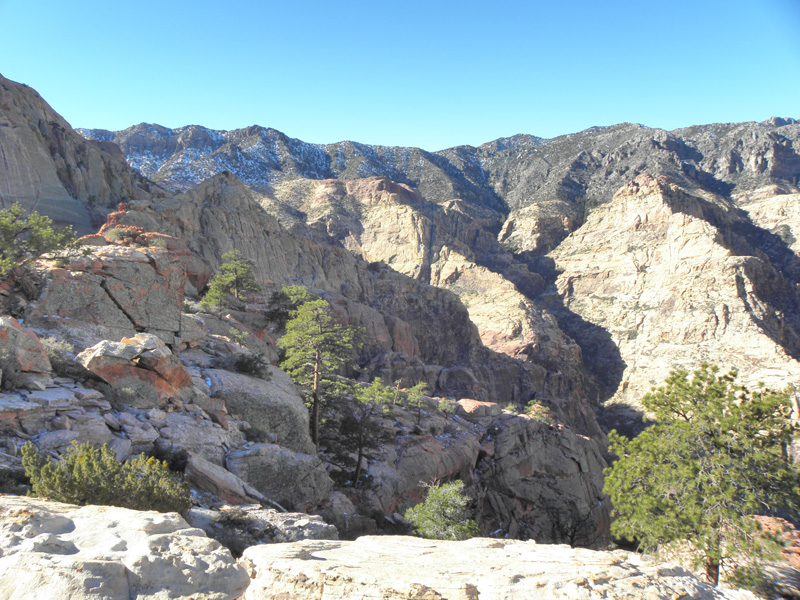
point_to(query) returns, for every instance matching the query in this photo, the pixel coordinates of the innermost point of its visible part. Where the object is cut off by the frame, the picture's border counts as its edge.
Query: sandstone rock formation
(53, 550)
(142, 365)
(400, 568)
(113, 292)
(675, 278)
(416, 332)
(50, 168)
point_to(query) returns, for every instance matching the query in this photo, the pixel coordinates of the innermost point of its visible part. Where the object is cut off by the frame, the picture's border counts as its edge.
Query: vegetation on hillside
(234, 278)
(26, 237)
(86, 475)
(317, 348)
(444, 515)
(717, 456)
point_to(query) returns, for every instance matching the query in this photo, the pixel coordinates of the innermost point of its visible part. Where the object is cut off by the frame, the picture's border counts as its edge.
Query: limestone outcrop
(402, 568)
(53, 550)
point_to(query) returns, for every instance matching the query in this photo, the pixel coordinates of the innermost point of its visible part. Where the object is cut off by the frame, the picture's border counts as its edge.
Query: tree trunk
(712, 571)
(358, 463)
(316, 403)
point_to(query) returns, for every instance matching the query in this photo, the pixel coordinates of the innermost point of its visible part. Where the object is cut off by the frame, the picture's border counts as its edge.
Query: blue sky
(432, 74)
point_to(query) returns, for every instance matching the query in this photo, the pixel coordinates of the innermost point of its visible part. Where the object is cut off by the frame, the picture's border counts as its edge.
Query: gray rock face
(294, 480)
(54, 550)
(113, 292)
(239, 527)
(274, 409)
(402, 568)
(48, 167)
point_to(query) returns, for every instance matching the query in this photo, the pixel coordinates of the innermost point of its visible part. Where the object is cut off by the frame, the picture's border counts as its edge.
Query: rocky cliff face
(46, 166)
(416, 332)
(671, 279)
(480, 222)
(511, 272)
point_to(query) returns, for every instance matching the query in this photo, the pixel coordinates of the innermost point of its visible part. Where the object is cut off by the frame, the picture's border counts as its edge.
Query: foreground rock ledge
(405, 568)
(50, 550)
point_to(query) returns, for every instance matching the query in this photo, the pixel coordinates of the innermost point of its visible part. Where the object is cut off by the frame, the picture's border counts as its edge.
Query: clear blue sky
(432, 74)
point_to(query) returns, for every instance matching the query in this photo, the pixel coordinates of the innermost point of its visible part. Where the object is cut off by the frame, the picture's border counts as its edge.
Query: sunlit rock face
(49, 167)
(672, 278)
(390, 568)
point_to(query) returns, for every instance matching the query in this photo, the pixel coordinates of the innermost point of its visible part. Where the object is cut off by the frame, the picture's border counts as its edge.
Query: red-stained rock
(93, 239)
(113, 292)
(142, 367)
(21, 348)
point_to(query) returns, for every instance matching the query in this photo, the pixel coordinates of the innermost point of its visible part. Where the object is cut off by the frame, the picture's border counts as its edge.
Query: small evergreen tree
(717, 456)
(234, 278)
(86, 475)
(444, 514)
(360, 428)
(317, 347)
(282, 303)
(26, 237)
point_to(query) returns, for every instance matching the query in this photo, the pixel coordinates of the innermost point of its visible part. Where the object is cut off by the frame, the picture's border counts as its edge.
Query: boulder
(406, 568)
(239, 527)
(141, 364)
(220, 482)
(476, 411)
(23, 359)
(191, 432)
(273, 408)
(54, 550)
(294, 480)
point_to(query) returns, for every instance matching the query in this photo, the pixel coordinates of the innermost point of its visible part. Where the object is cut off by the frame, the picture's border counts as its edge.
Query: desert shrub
(444, 514)
(157, 243)
(86, 475)
(254, 365)
(121, 234)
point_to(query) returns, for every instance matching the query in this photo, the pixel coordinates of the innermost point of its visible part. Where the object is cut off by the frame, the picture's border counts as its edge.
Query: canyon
(570, 274)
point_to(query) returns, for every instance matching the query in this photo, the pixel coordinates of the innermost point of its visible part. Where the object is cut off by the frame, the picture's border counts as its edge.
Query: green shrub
(254, 365)
(24, 237)
(86, 475)
(444, 514)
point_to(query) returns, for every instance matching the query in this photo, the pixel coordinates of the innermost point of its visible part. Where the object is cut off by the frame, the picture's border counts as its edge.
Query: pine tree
(317, 348)
(233, 278)
(717, 456)
(26, 237)
(444, 514)
(361, 427)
